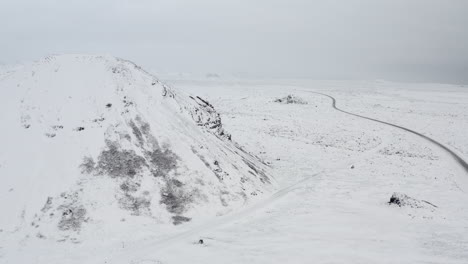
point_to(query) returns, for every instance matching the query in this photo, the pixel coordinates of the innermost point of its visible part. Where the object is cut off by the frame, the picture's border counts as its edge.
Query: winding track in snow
(457, 158)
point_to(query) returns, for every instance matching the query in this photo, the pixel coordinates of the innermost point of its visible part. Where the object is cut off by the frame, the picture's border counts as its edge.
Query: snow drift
(91, 143)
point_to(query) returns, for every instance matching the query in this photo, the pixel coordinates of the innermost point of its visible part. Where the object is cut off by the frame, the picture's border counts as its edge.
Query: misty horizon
(415, 41)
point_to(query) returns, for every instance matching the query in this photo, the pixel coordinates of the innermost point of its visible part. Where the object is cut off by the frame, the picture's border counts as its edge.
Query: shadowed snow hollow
(90, 142)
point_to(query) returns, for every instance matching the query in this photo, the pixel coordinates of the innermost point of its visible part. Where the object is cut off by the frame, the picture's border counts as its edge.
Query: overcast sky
(406, 40)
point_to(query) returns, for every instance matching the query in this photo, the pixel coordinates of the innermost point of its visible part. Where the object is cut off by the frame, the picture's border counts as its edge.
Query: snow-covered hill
(94, 146)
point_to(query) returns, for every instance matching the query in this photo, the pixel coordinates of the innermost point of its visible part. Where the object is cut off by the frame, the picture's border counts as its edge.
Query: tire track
(457, 158)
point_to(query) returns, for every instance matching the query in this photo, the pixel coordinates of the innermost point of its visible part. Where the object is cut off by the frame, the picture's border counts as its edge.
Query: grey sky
(414, 40)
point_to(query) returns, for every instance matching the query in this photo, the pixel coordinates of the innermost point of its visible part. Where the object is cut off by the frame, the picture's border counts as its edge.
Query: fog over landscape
(400, 40)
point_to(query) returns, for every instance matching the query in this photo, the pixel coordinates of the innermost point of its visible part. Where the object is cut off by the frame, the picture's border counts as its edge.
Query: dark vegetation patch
(179, 219)
(137, 205)
(127, 164)
(162, 161)
(130, 186)
(50, 135)
(145, 127)
(88, 165)
(136, 131)
(73, 217)
(176, 197)
(79, 129)
(117, 162)
(109, 105)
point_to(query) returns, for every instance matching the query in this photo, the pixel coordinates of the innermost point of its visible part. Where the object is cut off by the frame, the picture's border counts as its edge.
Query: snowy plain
(347, 169)
(335, 174)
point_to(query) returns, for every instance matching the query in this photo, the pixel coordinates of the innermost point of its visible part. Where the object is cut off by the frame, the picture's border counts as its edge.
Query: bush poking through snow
(175, 198)
(117, 162)
(137, 205)
(401, 199)
(72, 218)
(163, 161)
(290, 99)
(178, 219)
(87, 166)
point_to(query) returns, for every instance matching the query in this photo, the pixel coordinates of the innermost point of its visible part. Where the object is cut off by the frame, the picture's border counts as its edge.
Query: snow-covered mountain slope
(91, 145)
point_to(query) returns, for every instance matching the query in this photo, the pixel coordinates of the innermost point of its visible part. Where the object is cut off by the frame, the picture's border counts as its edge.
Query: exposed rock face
(290, 99)
(104, 137)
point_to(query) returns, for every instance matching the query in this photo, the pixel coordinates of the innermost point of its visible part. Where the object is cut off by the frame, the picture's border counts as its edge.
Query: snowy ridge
(94, 146)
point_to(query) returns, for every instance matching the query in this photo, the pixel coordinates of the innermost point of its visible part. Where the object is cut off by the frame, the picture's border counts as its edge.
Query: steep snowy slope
(91, 145)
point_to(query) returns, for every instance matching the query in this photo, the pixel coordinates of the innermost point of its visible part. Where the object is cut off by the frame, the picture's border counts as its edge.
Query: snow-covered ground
(335, 174)
(347, 169)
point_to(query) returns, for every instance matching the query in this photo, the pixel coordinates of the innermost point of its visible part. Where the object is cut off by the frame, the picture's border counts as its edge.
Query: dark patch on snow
(88, 165)
(136, 131)
(135, 204)
(401, 200)
(47, 205)
(79, 129)
(259, 172)
(290, 99)
(109, 105)
(50, 135)
(25, 121)
(98, 120)
(72, 217)
(175, 199)
(163, 161)
(145, 128)
(117, 162)
(176, 182)
(130, 186)
(178, 219)
(127, 102)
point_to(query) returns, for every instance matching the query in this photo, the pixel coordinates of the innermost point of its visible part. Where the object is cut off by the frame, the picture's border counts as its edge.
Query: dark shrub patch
(116, 162)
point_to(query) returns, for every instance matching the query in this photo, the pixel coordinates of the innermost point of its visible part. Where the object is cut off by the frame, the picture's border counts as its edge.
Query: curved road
(457, 158)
